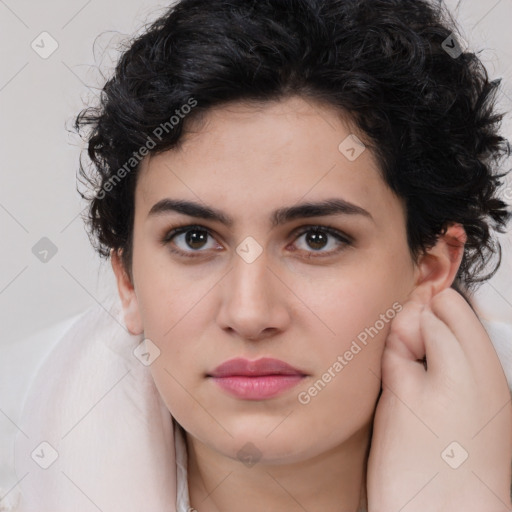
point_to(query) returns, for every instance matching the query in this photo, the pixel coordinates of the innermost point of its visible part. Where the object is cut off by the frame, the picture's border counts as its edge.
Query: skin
(289, 303)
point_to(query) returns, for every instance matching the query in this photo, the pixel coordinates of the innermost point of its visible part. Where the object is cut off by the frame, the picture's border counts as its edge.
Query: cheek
(175, 313)
(350, 326)
(352, 304)
(341, 395)
(171, 386)
(168, 297)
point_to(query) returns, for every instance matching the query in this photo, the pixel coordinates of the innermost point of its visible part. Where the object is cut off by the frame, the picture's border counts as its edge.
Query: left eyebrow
(328, 207)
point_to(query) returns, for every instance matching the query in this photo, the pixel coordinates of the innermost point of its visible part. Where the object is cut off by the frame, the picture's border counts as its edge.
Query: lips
(260, 367)
(262, 379)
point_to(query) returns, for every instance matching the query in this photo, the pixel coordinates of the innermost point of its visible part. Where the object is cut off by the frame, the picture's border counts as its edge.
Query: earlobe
(438, 267)
(127, 295)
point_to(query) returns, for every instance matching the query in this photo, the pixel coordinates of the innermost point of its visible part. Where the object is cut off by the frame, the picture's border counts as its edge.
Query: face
(316, 292)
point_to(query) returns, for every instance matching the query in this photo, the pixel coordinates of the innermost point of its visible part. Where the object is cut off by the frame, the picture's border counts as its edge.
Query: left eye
(318, 236)
(195, 238)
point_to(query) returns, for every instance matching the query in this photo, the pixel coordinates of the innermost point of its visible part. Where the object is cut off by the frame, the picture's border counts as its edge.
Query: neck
(331, 481)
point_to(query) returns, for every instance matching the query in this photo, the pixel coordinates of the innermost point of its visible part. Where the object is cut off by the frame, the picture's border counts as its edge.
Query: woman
(297, 200)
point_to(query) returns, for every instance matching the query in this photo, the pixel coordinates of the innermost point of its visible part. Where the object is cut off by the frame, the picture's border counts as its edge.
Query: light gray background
(39, 159)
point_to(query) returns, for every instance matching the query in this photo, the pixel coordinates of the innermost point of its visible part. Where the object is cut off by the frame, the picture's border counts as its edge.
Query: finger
(398, 372)
(450, 307)
(444, 353)
(404, 336)
(404, 348)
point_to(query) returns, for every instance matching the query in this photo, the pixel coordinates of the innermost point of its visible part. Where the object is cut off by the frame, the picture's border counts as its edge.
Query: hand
(430, 417)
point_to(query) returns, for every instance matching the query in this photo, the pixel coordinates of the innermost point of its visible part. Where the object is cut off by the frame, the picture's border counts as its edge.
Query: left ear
(438, 267)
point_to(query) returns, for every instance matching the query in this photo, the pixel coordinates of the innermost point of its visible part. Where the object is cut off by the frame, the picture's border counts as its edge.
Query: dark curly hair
(428, 114)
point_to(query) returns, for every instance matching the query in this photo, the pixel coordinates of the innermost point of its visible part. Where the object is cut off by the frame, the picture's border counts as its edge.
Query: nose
(253, 300)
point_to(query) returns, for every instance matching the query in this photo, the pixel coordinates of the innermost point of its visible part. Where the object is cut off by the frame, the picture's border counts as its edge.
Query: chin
(252, 445)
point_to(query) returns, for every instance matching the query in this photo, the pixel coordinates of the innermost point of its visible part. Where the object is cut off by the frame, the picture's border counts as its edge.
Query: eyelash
(345, 240)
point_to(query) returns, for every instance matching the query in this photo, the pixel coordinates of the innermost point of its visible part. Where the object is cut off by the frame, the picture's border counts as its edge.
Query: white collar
(182, 497)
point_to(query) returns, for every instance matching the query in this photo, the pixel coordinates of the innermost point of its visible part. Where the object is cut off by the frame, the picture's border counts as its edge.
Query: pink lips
(256, 380)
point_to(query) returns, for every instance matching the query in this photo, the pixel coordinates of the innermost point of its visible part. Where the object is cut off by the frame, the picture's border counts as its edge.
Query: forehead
(248, 157)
